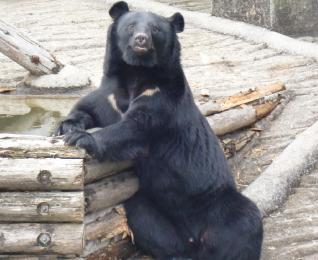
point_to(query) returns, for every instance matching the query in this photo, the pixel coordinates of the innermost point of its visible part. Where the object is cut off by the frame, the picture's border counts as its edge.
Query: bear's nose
(141, 38)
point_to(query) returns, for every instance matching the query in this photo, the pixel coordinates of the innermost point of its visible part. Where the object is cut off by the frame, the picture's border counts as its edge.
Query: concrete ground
(75, 31)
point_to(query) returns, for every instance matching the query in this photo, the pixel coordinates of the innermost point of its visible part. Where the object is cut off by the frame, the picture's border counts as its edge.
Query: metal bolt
(44, 177)
(44, 240)
(43, 208)
(35, 59)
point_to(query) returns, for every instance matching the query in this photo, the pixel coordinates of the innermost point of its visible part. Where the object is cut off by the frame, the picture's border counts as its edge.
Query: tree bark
(26, 52)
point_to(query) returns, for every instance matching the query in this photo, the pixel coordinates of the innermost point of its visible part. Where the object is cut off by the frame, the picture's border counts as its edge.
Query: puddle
(34, 116)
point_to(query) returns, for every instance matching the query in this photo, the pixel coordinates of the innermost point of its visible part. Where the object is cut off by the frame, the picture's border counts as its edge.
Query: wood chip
(3, 90)
(205, 92)
(241, 185)
(246, 155)
(256, 129)
(259, 150)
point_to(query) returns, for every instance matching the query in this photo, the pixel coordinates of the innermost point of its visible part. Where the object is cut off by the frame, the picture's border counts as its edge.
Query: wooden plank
(110, 191)
(42, 206)
(107, 227)
(31, 146)
(41, 174)
(41, 238)
(26, 52)
(94, 170)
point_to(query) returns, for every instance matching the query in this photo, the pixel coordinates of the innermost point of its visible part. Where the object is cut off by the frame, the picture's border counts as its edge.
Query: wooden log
(26, 52)
(119, 250)
(41, 174)
(246, 97)
(107, 227)
(41, 238)
(110, 191)
(42, 206)
(231, 146)
(31, 146)
(94, 170)
(231, 120)
(263, 110)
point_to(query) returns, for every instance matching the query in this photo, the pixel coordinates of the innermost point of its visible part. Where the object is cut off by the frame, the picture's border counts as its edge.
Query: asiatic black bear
(187, 206)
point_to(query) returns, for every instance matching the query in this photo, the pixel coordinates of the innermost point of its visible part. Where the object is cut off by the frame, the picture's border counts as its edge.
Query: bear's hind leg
(153, 232)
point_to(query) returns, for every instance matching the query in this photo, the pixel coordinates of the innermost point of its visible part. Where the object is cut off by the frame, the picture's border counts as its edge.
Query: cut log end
(263, 110)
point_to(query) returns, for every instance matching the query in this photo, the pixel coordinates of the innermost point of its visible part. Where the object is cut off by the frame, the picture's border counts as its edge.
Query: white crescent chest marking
(112, 101)
(148, 93)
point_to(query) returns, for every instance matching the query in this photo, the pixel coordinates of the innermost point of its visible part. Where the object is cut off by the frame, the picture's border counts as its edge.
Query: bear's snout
(141, 38)
(141, 43)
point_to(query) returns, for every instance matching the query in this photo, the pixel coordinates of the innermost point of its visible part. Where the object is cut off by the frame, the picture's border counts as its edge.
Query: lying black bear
(187, 206)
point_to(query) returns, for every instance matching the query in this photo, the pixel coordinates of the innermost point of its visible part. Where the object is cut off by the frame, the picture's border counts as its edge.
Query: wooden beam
(42, 207)
(107, 227)
(26, 52)
(41, 174)
(31, 146)
(94, 170)
(32, 238)
(110, 191)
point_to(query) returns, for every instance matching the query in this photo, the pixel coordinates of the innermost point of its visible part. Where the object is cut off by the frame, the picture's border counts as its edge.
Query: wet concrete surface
(75, 31)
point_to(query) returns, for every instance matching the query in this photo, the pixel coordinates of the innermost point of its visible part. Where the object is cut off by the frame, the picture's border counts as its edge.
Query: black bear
(187, 206)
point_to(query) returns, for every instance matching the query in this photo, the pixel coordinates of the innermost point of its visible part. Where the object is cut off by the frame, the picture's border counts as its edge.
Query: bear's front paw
(67, 126)
(83, 140)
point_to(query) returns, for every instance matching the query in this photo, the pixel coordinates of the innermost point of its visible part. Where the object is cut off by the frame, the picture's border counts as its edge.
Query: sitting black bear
(187, 206)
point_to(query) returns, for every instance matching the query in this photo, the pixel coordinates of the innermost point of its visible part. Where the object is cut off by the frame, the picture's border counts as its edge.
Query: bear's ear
(118, 9)
(177, 22)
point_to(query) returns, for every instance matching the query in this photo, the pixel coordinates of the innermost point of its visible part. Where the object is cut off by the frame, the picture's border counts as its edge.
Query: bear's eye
(132, 25)
(155, 29)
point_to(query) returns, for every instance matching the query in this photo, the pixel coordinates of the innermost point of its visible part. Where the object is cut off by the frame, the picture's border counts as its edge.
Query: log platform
(51, 203)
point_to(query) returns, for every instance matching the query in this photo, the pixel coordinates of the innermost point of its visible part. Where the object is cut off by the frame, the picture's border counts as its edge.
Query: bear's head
(144, 38)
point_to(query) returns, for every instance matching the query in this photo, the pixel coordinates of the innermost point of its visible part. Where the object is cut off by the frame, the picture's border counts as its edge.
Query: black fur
(187, 206)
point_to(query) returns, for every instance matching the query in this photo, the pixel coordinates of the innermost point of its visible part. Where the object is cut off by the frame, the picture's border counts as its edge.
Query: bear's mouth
(140, 49)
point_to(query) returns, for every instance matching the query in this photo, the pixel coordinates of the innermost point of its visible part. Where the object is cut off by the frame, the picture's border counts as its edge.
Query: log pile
(56, 201)
(240, 111)
(51, 203)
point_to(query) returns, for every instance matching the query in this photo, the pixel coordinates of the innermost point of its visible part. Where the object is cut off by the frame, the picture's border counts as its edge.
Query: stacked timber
(51, 203)
(56, 202)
